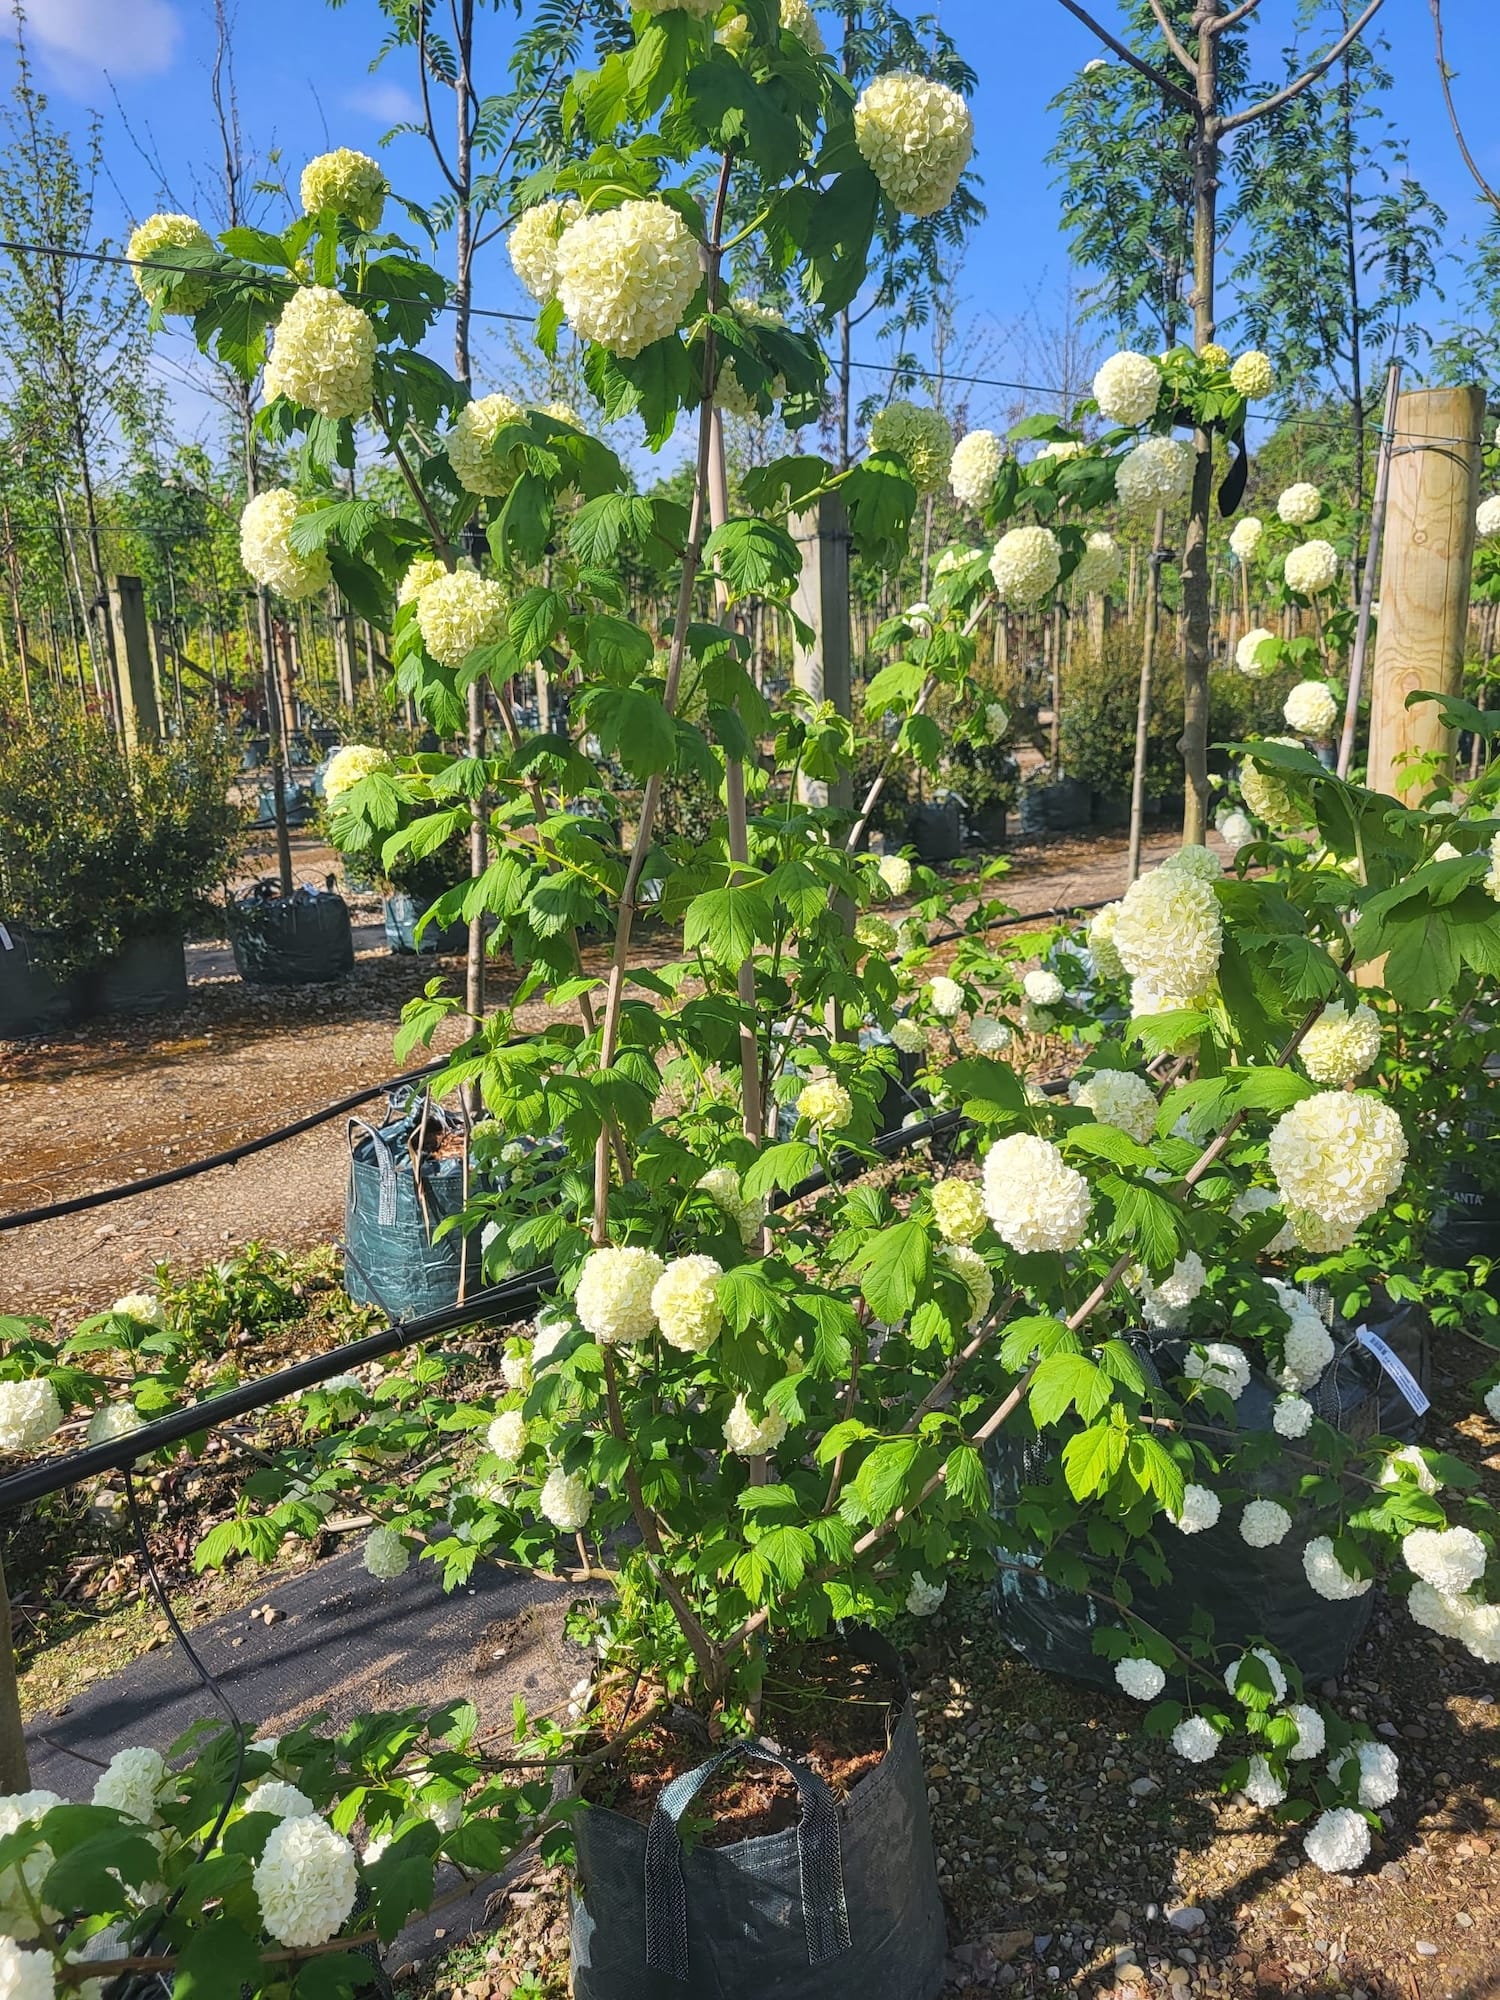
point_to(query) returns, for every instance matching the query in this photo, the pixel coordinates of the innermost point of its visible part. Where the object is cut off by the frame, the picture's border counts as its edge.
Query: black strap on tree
(825, 1912)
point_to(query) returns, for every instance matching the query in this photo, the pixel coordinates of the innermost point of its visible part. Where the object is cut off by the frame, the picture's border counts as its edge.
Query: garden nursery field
(749, 1229)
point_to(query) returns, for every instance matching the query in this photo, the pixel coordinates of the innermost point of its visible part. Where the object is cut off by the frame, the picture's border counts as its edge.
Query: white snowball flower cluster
(1308, 1346)
(626, 276)
(1170, 932)
(1253, 376)
(613, 1299)
(1100, 564)
(1492, 1402)
(909, 1038)
(958, 1209)
(1043, 987)
(1101, 943)
(565, 1500)
(1128, 388)
(514, 1368)
(29, 1414)
(1200, 1509)
(988, 1035)
(1379, 1772)
(685, 1300)
(1166, 1302)
(1245, 538)
(1450, 1559)
(1337, 1841)
(147, 241)
(275, 1796)
(1157, 473)
(1143, 1680)
(1339, 1155)
(922, 437)
(1327, 1575)
(115, 1420)
(1264, 1523)
(267, 552)
(978, 1280)
(1270, 795)
(143, 1306)
(132, 1783)
(1300, 505)
(1268, 1660)
(798, 18)
(533, 245)
(977, 459)
(1236, 831)
(1219, 1364)
(323, 356)
(349, 183)
(723, 1188)
(506, 1436)
(825, 1104)
(1033, 1197)
(469, 443)
(750, 1437)
(946, 997)
(1310, 708)
(1292, 1417)
(20, 1884)
(349, 764)
(27, 1975)
(1200, 862)
(1195, 1739)
(1340, 1046)
(1247, 651)
(1410, 1459)
(1460, 1616)
(917, 137)
(924, 1598)
(425, 570)
(385, 1554)
(1120, 1098)
(894, 871)
(459, 613)
(305, 1881)
(1311, 1736)
(1262, 1787)
(1312, 568)
(1063, 450)
(1486, 521)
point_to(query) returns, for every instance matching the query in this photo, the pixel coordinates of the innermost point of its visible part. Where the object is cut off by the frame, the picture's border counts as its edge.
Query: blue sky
(305, 83)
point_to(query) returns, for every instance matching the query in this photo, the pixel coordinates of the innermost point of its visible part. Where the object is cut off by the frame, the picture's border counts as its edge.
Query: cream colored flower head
(977, 460)
(1487, 520)
(349, 764)
(533, 245)
(1340, 1046)
(267, 552)
(469, 443)
(919, 435)
(626, 276)
(323, 355)
(749, 1436)
(147, 241)
(1341, 1155)
(1312, 568)
(350, 183)
(1272, 797)
(458, 614)
(1246, 654)
(1157, 473)
(1245, 538)
(1127, 389)
(425, 570)
(1311, 709)
(1026, 565)
(565, 1500)
(825, 1104)
(685, 1301)
(613, 1299)
(1120, 1098)
(1033, 1197)
(1300, 505)
(1100, 564)
(958, 1208)
(1253, 376)
(917, 136)
(1212, 355)
(1170, 932)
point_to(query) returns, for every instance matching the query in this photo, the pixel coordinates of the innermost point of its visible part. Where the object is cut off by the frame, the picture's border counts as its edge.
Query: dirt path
(112, 1101)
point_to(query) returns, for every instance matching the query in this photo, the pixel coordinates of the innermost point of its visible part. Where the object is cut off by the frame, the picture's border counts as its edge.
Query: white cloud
(388, 103)
(126, 37)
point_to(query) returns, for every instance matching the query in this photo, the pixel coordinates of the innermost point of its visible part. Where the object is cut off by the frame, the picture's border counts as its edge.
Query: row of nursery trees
(753, 1410)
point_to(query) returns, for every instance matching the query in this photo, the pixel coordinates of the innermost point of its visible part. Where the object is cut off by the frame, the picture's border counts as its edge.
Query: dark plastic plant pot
(1068, 804)
(987, 826)
(304, 940)
(32, 1000)
(937, 831)
(402, 915)
(147, 975)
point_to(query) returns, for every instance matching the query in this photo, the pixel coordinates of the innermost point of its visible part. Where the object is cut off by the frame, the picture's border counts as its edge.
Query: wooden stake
(1372, 571)
(1143, 704)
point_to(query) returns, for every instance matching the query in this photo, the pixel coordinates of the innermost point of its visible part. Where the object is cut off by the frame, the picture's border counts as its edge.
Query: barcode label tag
(1396, 1368)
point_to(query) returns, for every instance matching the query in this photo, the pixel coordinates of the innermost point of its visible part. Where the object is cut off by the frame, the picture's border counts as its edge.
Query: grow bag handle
(385, 1166)
(820, 1863)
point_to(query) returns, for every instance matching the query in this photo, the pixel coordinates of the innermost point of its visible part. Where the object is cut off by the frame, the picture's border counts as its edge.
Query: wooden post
(1143, 702)
(823, 670)
(140, 713)
(15, 1774)
(1424, 589)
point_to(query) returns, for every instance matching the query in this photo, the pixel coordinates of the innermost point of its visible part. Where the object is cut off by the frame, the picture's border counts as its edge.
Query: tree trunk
(1195, 589)
(15, 1771)
(1143, 701)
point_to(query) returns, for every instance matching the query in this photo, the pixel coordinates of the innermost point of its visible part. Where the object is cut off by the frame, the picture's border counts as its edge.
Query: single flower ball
(533, 242)
(1101, 943)
(978, 1280)
(425, 570)
(1450, 1559)
(977, 459)
(1195, 1738)
(1379, 1772)
(1292, 1417)
(565, 1500)
(1063, 450)
(349, 183)
(272, 1795)
(1157, 473)
(1143, 1680)
(1170, 932)
(685, 1300)
(306, 1881)
(613, 1299)
(894, 871)
(1264, 1523)
(1026, 564)
(1311, 709)
(29, 1414)
(385, 1554)
(1437, 1610)
(1300, 505)
(1246, 653)
(1340, 1046)
(825, 1104)
(1043, 987)
(1099, 566)
(908, 1037)
(115, 1420)
(1262, 1787)
(1410, 1459)
(946, 997)
(1120, 1098)
(876, 935)
(145, 1307)
(1271, 796)
(1337, 1841)
(469, 445)
(148, 240)
(267, 552)
(1245, 539)
(1212, 355)
(924, 1598)
(458, 614)
(1307, 1347)
(20, 1884)
(919, 436)
(1127, 389)
(1492, 1402)
(989, 1036)
(323, 355)
(1219, 1364)
(132, 1783)
(1312, 568)
(626, 276)
(917, 137)
(1341, 1155)
(1236, 830)
(552, 1328)
(1327, 1575)
(958, 1209)
(29, 1975)
(506, 1436)
(1252, 376)
(1271, 1664)
(1166, 1302)
(1200, 1509)
(1486, 521)
(1199, 862)
(1033, 1197)
(349, 764)
(515, 1367)
(750, 1437)
(722, 1186)
(729, 393)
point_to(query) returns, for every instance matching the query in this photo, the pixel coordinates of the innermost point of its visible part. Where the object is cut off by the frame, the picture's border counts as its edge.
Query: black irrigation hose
(1025, 917)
